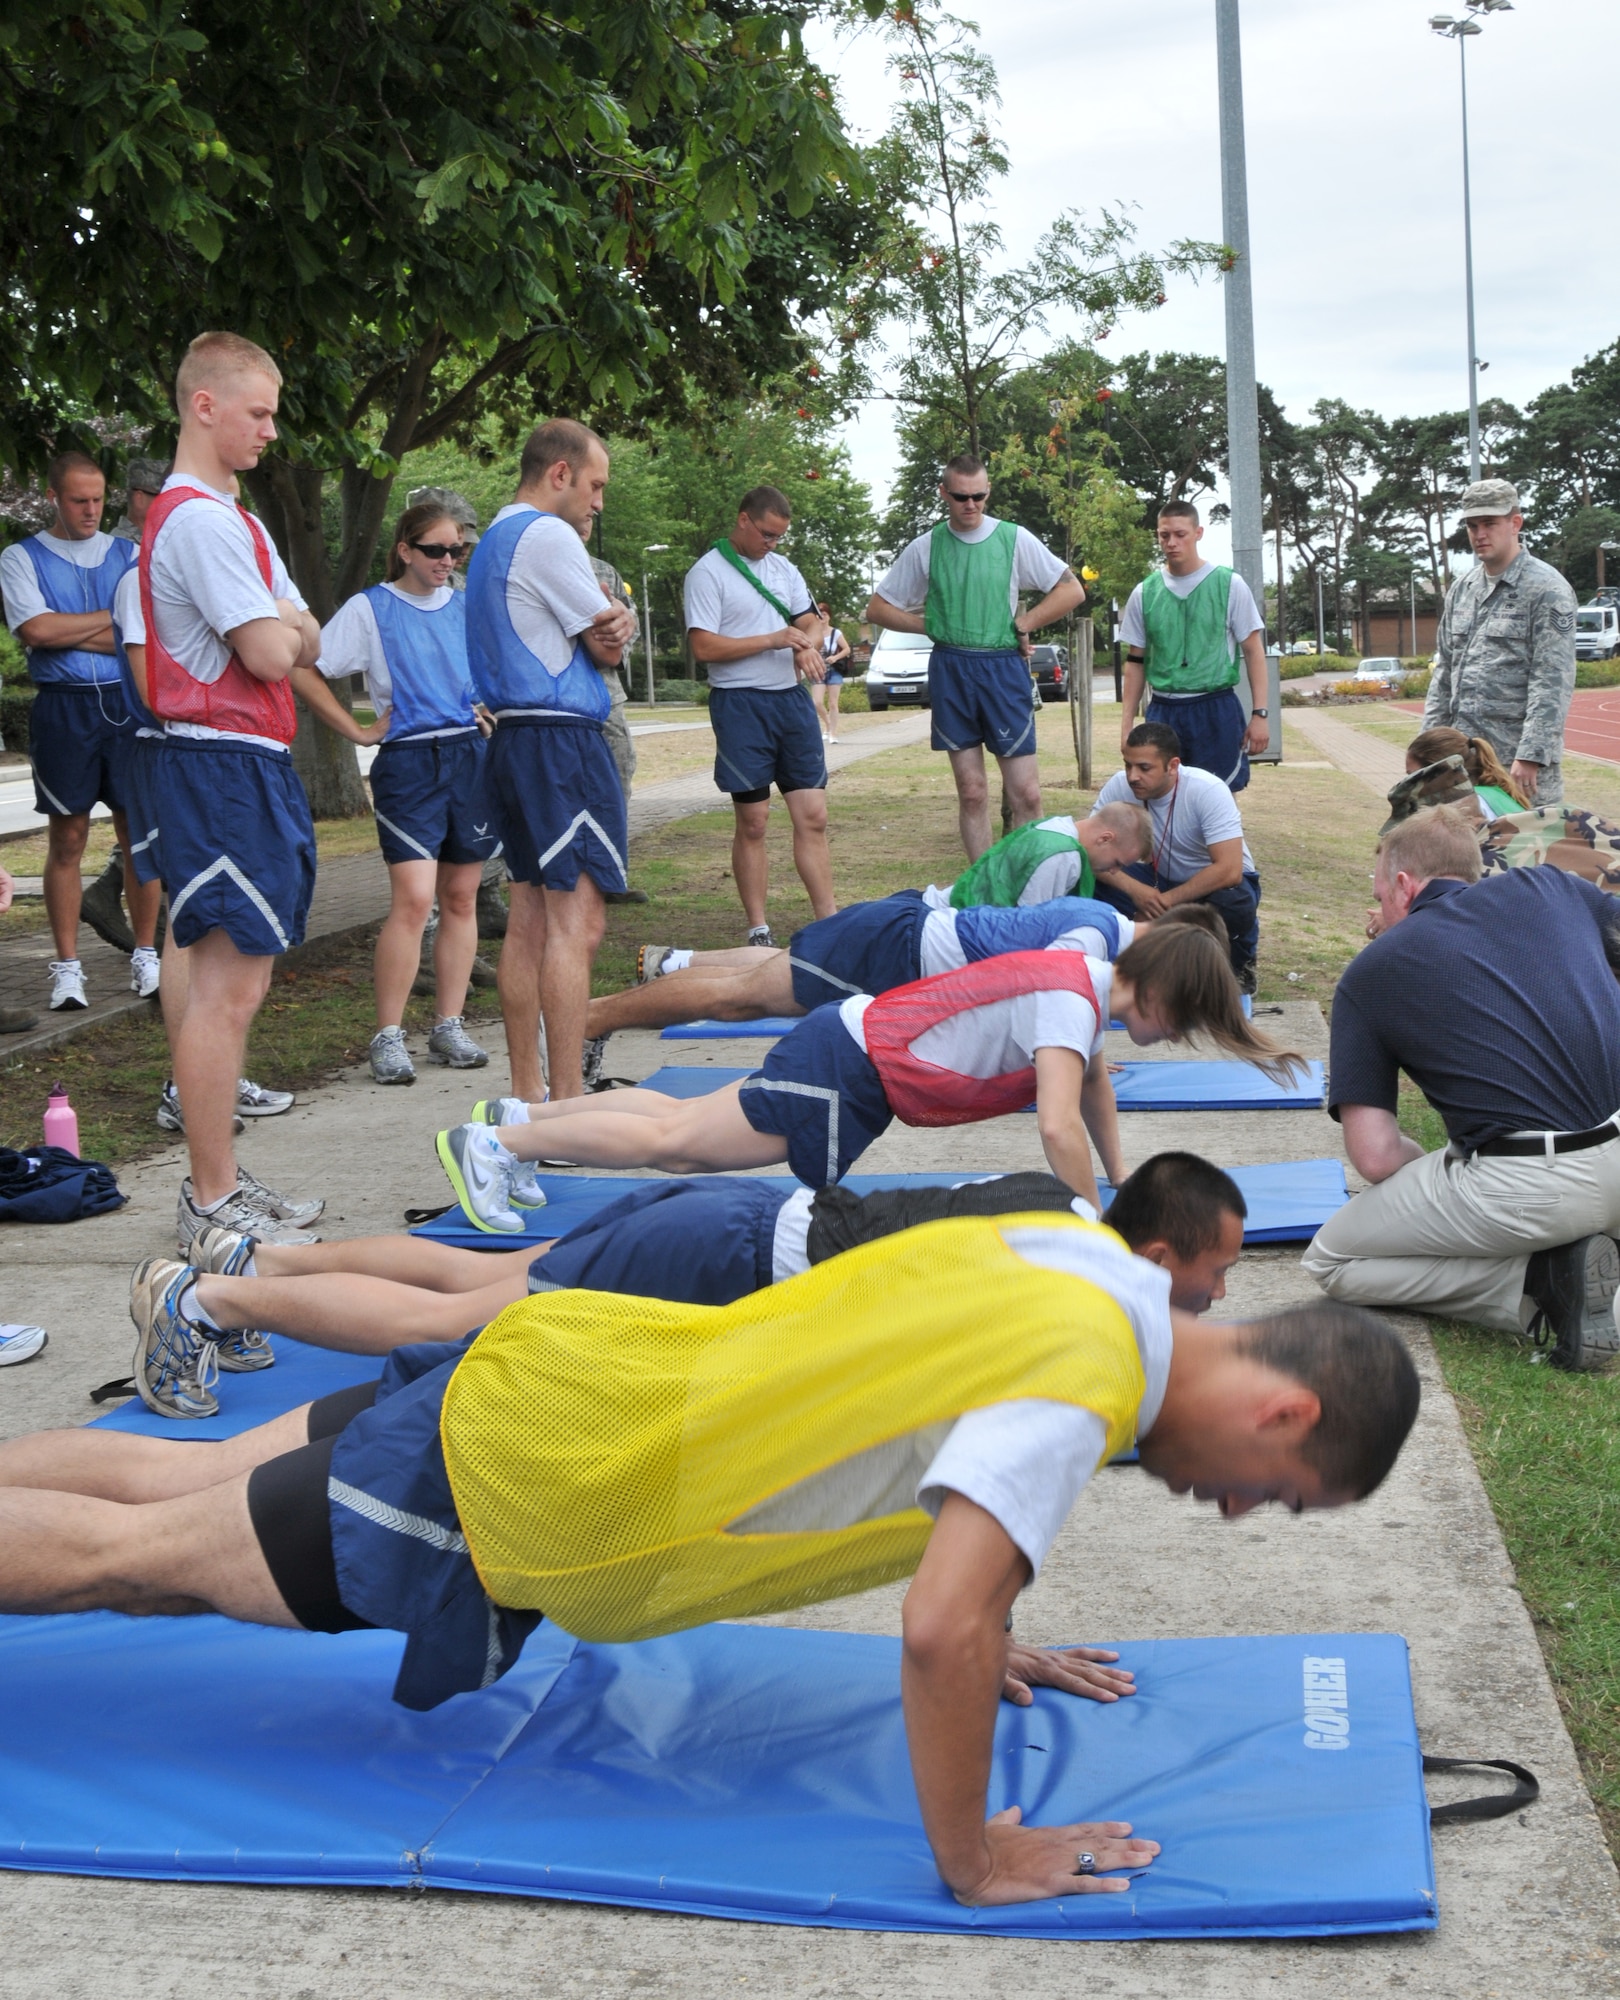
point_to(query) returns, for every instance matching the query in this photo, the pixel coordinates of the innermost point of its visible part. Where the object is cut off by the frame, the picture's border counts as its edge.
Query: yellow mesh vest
(598, 1446)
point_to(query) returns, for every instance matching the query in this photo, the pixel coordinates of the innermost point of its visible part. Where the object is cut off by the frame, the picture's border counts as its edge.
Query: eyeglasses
(977, 498)
(437, 551)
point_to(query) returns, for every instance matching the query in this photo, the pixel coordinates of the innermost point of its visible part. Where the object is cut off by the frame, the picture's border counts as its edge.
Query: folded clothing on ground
(49, 1184)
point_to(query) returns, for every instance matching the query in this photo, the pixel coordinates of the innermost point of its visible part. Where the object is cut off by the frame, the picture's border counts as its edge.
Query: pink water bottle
(61, 1121)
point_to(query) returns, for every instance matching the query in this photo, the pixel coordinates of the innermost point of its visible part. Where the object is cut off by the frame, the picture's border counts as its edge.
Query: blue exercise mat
(734, 1771)
(301, 1374)
(1140, 1086)
(769, 1025)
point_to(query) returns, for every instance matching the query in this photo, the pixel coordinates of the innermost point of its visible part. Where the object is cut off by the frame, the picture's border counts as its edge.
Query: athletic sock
(675, 961)
(192, 1308)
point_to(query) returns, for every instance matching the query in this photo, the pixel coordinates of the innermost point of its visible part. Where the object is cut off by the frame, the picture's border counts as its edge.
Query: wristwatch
(1263, 713)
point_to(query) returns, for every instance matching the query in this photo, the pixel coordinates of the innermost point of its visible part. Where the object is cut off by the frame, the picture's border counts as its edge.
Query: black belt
(1536, 1145)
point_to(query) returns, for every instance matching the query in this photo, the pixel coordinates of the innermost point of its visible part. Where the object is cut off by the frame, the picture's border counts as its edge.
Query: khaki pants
(1452, 1236)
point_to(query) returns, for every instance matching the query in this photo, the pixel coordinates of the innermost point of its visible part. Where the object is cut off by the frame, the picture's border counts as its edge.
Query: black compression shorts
(288, 1507)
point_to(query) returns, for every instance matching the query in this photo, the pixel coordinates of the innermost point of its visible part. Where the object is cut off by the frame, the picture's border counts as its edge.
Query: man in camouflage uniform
(1504, 660)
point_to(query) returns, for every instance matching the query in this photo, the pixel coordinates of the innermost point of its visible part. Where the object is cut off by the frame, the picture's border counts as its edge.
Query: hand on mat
(1030, 1862)
(1074, 1669)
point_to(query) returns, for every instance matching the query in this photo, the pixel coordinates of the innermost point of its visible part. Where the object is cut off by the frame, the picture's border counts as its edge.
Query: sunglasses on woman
(437, 551)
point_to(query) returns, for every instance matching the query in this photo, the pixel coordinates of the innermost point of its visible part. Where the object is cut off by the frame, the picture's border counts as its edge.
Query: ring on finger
(1085, 1862)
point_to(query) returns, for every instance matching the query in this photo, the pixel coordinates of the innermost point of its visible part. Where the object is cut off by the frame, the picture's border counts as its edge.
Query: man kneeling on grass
(701, 1242)
(930, 1405)
(956, 1049)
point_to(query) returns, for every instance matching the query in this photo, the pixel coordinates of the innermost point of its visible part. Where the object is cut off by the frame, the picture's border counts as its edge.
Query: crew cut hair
(1440, 842)
(1155, 736)
(1130, 822)
(761, 501)
(965, 465)
(1357, 1367)
(66, 462)
(1187, 978)
(1179, 510)
(215, 357)
(559, 438)
(1178, 1199)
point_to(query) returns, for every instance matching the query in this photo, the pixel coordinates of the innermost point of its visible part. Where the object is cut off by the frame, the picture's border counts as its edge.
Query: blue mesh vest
(505, 674)
(987, 931)
(71, 589)
(426, 653)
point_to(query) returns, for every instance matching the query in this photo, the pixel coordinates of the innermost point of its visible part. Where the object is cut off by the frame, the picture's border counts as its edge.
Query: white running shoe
(20, 1343)
(761, 935)
(254, 1101)
(276, 1204)
(67, 983)
(390, 1059)
(650, 962)
(172, 1119)
(451, 1044)
(143, 971)
(240, 1213)
(481, 1171)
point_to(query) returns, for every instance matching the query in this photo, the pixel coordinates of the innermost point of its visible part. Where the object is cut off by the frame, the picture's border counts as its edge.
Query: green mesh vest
(1189, 650)
(970, 590)
(1001, 873)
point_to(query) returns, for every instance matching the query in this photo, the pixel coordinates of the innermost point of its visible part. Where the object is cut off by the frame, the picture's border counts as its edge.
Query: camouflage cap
(146, 475)
(459, 508)
(1443, 784)
(1489, 496)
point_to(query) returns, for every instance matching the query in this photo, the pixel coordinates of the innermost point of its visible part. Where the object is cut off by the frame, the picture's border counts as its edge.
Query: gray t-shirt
(718, 600)
(1195, 813)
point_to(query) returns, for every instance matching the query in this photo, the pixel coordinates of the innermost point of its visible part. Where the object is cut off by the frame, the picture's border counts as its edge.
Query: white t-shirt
(1034, 568)
(1003, 1035)
(1058, 874)
(1242, 614)
(940, 948)
(1024, 1462)
(129, 621)
(19, 580)
(718, 600)
(551, 590)
(205, 582)
(352, 644)
(1187, 821)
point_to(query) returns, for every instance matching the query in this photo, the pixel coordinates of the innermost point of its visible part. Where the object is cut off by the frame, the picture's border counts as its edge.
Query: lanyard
(1162, 847)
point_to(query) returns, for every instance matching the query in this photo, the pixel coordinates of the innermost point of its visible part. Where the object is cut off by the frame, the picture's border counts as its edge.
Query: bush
(852, 698)
(688, 691)
(1415, 685)
(13, 661)
(1597, 674)
(1296, 666)
(15, 704)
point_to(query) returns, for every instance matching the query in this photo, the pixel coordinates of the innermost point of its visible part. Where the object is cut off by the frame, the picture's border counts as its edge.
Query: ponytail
(1188, 978)
(1480, 761)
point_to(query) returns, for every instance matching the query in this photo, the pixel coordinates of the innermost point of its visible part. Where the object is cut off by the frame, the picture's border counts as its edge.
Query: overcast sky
(1355, 181)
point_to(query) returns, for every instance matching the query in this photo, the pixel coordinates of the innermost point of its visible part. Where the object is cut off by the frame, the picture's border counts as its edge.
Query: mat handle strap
(111, 1392)
(1493, 1805)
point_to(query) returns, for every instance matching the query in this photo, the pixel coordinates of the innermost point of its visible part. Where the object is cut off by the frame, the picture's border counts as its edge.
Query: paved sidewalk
(1376, 763)
(1528, 1906)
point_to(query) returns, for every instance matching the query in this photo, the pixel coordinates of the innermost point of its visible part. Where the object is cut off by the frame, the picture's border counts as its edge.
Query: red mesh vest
(921, 1093)
(237, 701)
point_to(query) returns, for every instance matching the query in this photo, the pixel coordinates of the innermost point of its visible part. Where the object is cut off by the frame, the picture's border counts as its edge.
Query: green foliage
(1597, 673)
(16, 705)
(13, 661)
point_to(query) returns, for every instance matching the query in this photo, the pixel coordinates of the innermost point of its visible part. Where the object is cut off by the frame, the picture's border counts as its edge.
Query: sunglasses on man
(977, 499)
(437, 551)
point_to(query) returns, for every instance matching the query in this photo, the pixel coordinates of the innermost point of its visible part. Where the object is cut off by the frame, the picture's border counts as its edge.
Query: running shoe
(254, 1101)
(499, 1111)
(390, 1059)
(143, 971)
(761, 935)
(67, 983)
(175, 1360)
(239, 1213)
(592, 1057)
(480, 1170)
(1573, 1290)
(244, 1351)
(450, 1043)
(101, 907)
(172, 1119)
(650, 962)
(277, 1205)
(20, 1343)
(225, 1253)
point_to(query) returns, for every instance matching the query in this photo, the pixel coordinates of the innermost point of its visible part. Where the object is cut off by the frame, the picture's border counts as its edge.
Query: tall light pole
(1242, 403)
(1458, 29)
(650, 549)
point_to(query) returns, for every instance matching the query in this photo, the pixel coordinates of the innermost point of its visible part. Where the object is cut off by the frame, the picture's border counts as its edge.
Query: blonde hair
(213, 358)
(1188, 977)
(1443, 841)
(1128, 821)
(1480, 761)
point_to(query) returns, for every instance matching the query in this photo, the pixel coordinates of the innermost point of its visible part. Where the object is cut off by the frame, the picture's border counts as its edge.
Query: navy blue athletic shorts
(765, 737)
(140, 802)
(818, 1090)
(430, 800)
(558, 804)
(78, 743)
(701, 1242)
(1212, 729)
(865, 949)
(235, 847)
(986, 698)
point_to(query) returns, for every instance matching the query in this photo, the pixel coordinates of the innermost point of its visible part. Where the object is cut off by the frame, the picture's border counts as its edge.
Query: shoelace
(244, 1340)
(186, 1355)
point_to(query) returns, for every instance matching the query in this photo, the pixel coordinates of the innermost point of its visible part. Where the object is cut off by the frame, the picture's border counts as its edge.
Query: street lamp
(1458, 28)
(649, 549)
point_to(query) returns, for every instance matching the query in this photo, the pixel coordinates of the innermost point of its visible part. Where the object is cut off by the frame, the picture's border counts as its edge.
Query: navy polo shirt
(1497, 1000)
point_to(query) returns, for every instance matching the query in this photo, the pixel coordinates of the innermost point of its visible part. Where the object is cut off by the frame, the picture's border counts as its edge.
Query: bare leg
(359, 1315)
(1021, 787)
(399, 943)
(575, 920)
(64, 887)
(518, 976)
(108, 1465)
(227, 990)
(407, 1260)
(638, 1103)
(808, 812)
(972, 799)
(145, 899)
(746, 994)
(456, 945)
(832, 695)
(742, 959)
(749, 867)
(174, 989)
(701, 1135)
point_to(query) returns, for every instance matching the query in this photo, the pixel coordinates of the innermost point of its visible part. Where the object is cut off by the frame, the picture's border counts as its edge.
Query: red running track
(1592, 728)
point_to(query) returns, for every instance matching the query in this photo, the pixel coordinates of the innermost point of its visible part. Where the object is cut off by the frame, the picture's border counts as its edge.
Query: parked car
(1386, 668)
(1298, 646)
(1049, 667)
(898, 672)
